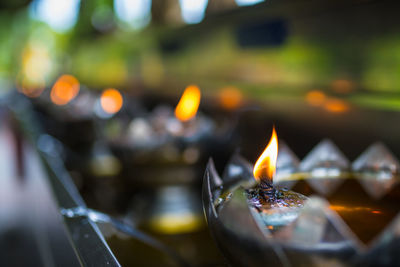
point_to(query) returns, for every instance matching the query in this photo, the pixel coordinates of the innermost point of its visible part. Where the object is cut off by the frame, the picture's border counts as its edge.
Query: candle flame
(188, 104)
(265, 166)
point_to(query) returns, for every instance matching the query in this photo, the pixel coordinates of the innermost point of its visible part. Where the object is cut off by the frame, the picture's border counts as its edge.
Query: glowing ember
(188, 104)
(111, 100)
(265, 166)
(64, 90)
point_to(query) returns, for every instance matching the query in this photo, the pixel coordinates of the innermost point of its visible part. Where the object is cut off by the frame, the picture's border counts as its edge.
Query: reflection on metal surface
(86, 238)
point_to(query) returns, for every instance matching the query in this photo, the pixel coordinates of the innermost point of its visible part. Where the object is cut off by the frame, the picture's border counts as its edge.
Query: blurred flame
(315, 98)
(188, 104)
(265, 166)
(64, 90)
(336, 105)
(230, 98)
(111, 100)
(343, 86)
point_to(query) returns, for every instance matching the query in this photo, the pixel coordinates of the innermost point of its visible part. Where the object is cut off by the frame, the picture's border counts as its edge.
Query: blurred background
(97, 81)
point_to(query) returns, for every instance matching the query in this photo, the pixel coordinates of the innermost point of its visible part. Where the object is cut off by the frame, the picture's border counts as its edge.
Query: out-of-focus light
(188, 104)
(315, 98)
(335, 105)
(64, 90)
(193, 10)
(61, 15)
(342, 86)
(230, 98)
(111, 100)
(248, 2)
(31, 88)
(135, 13)
(36, 62)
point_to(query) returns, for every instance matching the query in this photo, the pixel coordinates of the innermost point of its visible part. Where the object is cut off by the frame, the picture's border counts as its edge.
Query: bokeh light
(335, 105)
(61, 15)
(111, 100)
(64, 90)
(135, 13)
(343, 86)
(30, 88)
(230, 98)
(188, 104)
(193, 10)
(315, 98)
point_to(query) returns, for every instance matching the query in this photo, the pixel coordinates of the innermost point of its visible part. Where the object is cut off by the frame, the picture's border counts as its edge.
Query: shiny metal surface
(86, 238)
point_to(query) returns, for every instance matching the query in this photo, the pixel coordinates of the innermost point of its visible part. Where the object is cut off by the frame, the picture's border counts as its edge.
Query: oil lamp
(164, 150)
(276, 207)
(350, 217)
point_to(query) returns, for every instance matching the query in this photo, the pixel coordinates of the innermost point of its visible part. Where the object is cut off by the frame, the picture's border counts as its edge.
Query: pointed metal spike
(239, 218)
(211, 189)
(379, 168)
(322, 233)
(238, 169)
(325, 155)
(377, 158)
(286, 164)
(324, 163)
(316, 224)
(385, 249)
(236, 214)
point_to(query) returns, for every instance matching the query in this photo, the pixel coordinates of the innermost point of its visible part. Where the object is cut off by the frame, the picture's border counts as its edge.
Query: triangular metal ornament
(317, 229)
(287, 163)
(237, 171)
(378, 169)
(325, 163)
(385, 249)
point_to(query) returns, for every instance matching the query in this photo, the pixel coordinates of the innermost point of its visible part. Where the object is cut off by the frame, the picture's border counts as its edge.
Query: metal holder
(318, 236)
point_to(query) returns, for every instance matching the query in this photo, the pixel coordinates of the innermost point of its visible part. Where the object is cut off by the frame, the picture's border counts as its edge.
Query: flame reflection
(265, 166)
(188, 104)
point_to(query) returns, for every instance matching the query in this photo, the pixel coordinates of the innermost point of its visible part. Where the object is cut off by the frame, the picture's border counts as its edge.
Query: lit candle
(277, 207)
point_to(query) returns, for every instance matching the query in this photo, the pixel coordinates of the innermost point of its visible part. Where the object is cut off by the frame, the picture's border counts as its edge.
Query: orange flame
(64, 90)
(265, 166)
(188, 104)
(111, 100)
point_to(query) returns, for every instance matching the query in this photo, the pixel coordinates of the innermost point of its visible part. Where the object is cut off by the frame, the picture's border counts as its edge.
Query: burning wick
(265, 166)
(277, 207)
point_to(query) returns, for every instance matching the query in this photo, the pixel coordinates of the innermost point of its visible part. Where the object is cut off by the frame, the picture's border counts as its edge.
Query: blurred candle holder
(162, 153)
(351, 217)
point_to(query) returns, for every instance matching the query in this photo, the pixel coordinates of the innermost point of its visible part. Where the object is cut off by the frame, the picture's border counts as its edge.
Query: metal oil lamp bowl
(351, 216)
